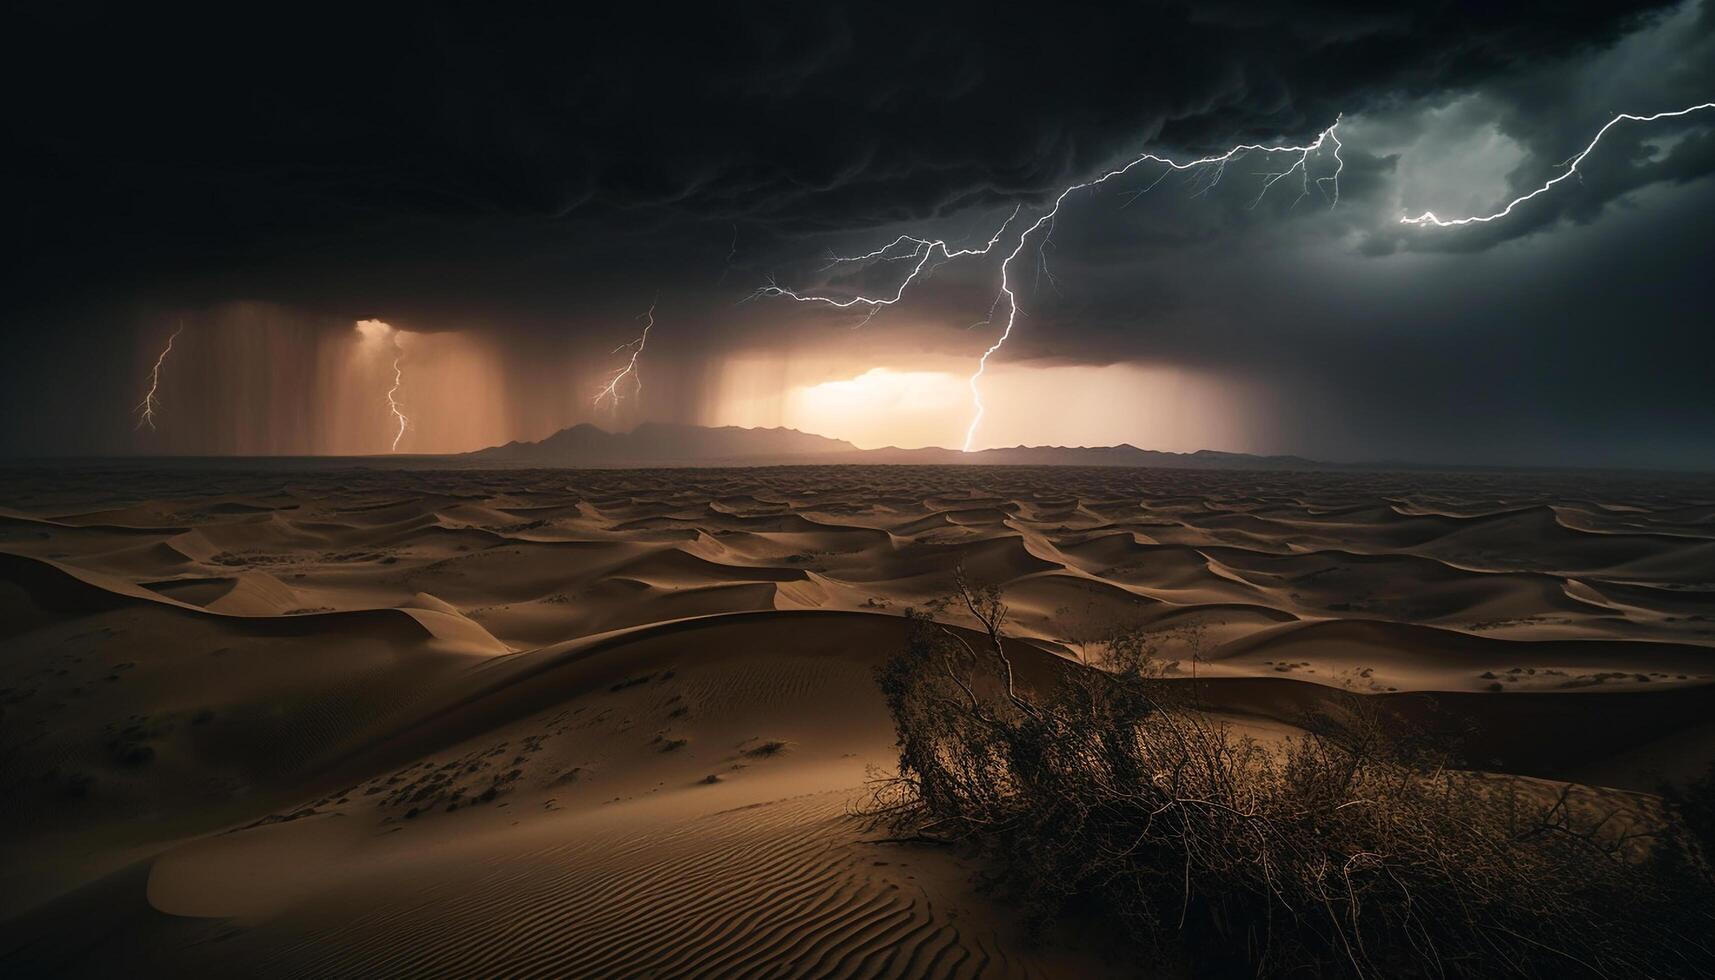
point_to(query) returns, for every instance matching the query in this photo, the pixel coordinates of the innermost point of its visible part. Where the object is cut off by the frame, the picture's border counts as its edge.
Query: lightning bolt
(927, 254)
(1430, 218)
(393, 392)
(611, 389)
(151, 401)
(375, 332)
(920, 253)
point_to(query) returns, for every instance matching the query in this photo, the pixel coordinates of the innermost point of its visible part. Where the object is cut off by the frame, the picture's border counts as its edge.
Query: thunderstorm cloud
(539, 179)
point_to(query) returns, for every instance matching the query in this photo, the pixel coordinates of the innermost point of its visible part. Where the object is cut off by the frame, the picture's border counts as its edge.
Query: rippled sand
(590, 723)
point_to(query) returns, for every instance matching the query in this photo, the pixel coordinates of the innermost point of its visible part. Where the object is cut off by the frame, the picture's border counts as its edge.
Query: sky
(504, 197)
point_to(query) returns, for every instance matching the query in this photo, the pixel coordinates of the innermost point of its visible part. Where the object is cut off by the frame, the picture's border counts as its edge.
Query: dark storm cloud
(1563, 340)
(537, 178)
(1552, 110)
(154, 142)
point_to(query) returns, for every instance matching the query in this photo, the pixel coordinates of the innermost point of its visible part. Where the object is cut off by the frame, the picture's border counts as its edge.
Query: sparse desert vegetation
(1353, 848)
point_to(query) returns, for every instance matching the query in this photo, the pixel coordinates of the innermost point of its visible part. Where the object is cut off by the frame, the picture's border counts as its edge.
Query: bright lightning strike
(611, 389)
(151, 402)
(392, 395)
(922, 252)
(375, 333)
(1430, 218)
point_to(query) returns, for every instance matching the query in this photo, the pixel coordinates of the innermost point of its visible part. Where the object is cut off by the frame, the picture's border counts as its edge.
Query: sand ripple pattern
(764, 891)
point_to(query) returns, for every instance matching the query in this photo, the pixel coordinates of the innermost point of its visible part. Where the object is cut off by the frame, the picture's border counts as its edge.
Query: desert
(1170, 489)
(389, 722)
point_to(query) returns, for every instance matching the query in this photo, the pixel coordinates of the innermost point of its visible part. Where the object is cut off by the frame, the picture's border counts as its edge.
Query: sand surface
(569, 723)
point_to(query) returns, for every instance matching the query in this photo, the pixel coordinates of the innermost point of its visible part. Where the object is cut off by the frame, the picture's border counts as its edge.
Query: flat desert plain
(585, 723)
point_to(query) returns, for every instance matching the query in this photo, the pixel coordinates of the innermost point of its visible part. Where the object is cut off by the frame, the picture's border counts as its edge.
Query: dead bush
(1349, 850)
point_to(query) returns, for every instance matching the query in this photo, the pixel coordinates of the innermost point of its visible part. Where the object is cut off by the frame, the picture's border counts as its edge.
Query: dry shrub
(1347, 851)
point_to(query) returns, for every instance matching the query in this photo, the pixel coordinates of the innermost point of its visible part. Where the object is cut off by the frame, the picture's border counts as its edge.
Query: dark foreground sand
(610, 723)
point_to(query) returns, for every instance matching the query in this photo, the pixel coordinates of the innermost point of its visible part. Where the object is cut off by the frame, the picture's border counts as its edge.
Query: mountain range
(665, 444)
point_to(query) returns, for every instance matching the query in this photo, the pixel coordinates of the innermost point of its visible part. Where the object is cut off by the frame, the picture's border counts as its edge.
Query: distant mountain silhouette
(663, 444)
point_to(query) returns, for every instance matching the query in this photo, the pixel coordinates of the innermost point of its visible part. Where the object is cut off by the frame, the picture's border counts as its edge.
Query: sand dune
(610, 723)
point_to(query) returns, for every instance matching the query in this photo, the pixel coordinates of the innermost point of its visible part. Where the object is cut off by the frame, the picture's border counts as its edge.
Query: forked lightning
(151, 402)
(611, 389)
(923, 252)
